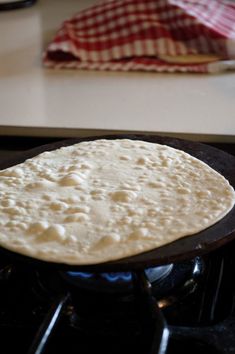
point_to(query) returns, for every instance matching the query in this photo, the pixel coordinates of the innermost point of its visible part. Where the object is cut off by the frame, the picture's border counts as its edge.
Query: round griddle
(180, 250)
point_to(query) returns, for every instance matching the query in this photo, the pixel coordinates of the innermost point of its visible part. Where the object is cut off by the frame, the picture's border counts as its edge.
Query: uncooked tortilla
(104, 200)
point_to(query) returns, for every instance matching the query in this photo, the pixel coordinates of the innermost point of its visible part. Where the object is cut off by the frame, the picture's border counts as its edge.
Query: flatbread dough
(104, 200)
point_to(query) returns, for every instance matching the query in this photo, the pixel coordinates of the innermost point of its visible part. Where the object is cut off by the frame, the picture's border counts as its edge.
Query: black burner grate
(202, 320)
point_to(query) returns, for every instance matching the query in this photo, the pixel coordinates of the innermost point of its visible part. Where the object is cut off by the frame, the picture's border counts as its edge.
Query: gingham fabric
(161, 35)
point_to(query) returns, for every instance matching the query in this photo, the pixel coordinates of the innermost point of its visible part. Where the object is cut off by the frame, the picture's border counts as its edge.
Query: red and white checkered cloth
(148, 35)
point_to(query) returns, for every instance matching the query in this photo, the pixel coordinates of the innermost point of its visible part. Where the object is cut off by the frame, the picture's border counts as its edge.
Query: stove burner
(170, 283)
(111, 297)
(113, 282)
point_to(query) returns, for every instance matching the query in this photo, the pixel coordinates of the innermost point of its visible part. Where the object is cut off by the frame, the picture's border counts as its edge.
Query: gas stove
(174, 308)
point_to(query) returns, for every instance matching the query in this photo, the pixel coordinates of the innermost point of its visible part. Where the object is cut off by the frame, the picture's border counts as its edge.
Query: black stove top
(177, 308)
(188, 307)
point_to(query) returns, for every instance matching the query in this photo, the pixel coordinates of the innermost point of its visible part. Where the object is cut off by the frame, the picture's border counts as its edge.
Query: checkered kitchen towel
(148, 35)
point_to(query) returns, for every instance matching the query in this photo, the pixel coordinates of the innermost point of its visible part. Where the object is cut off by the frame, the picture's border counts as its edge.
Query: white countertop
(70, 103)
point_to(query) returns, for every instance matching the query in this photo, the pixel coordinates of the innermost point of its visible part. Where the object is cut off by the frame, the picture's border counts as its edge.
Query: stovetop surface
(114, 322)
(194, 303)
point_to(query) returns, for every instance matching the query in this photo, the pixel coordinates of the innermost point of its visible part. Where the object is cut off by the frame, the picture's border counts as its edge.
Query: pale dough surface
(107, 199)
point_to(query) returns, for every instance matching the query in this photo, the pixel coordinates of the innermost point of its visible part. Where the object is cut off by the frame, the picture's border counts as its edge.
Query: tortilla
(104, 200)
(190, 59)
